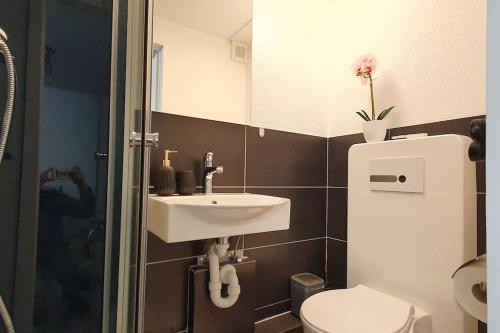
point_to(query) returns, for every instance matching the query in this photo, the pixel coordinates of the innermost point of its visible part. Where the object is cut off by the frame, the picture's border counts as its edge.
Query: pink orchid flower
(364, 68)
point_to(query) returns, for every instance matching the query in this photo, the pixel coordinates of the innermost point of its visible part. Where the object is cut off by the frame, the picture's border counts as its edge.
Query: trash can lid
(307, 280)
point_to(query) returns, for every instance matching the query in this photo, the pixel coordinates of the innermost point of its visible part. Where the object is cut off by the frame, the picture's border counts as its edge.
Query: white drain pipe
(226, 275)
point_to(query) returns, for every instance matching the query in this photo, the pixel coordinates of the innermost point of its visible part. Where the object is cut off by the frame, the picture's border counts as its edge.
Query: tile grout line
(188, 298)
(269, 186)
(285, 243)
(272, 304)
(337, 239)
(326, 207)
(223, 186)
(273, 317)
(245, 160)
(172, 260)
(243, 248)
(244, 183)
(284, 186)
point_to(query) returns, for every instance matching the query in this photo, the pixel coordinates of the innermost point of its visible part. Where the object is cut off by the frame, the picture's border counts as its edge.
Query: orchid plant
(364, 68)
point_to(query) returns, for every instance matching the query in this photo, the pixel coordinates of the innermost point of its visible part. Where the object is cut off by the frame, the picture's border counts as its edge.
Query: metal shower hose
(4, 313)
(4, 134)
(11, 84)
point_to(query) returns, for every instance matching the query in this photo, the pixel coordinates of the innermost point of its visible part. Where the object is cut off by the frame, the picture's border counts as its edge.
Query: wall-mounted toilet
(361, 309)
(411, 223)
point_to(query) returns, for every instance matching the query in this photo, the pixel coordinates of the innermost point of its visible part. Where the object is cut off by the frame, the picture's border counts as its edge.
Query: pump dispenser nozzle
(166, 161)
(166, 183)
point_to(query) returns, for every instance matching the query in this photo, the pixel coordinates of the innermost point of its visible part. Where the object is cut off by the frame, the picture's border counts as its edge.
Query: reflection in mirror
(201, 64)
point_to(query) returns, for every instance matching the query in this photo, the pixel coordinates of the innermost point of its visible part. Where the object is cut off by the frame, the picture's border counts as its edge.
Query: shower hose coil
(11, 84)
(4, 314)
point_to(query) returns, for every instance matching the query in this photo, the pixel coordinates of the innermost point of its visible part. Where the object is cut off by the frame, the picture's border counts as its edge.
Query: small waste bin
(304, 285)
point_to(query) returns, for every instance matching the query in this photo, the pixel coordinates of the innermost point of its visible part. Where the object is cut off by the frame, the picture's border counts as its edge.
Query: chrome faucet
(209, 172)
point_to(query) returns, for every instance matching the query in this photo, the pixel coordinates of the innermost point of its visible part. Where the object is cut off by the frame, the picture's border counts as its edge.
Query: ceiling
(222, 18)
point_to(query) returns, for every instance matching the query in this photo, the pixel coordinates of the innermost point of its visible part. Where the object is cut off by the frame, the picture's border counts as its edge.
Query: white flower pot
(375, 130)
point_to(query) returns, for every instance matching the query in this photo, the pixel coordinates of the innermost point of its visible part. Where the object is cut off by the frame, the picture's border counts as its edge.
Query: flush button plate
(399, 174)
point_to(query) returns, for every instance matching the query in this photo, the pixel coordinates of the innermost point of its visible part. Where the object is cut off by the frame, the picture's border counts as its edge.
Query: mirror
(201, 65)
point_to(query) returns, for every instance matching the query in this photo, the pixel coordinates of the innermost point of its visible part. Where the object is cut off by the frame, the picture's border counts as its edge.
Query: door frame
(145, 161)
(26, 251)
(133, 232)
(493, 165)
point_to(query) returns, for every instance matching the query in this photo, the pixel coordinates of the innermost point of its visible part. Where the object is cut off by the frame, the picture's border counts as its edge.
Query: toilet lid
(355, 310)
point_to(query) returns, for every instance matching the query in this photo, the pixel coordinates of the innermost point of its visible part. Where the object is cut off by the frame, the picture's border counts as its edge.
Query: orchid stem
(371, 93)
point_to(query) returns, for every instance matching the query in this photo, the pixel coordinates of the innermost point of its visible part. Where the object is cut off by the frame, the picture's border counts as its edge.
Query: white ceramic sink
(184, 218)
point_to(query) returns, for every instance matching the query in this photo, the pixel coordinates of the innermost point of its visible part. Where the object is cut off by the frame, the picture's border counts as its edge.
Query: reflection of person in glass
(54, 255)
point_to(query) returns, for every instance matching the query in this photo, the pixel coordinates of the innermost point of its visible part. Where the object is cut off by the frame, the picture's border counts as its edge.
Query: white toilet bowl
(361, 310)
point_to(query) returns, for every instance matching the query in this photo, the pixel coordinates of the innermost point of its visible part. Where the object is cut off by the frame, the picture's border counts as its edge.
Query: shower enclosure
(71, 186)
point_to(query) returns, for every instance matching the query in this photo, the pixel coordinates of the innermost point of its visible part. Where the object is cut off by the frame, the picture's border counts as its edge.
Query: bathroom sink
(185, 218)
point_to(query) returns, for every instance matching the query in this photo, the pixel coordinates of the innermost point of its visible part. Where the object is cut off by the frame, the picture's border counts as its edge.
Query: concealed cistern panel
(397, 174)
(406, 236)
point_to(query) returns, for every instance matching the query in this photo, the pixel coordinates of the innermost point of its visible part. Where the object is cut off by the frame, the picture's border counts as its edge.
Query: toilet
(361, 309)
(411, 223)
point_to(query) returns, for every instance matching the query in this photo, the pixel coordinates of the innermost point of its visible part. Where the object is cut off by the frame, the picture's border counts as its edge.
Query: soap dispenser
(166, 177)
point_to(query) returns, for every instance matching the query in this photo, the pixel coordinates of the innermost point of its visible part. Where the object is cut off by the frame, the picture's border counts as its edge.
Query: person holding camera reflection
(54, 258)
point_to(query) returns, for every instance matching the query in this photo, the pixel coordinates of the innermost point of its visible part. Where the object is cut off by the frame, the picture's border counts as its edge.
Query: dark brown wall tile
(338, 148)
(453, 126)
(285, 159)
(481, 224)
(275, 265)
(308, 213)
(272, 310)
(286, 323)
(278, 159)
(481, 176)
(193, 137)
(158, 250)
(337, 264)
(205, 317)
(337, 213)
(166, 296)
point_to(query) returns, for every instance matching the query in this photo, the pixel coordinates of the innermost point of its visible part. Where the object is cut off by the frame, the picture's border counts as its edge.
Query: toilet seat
(356, 310)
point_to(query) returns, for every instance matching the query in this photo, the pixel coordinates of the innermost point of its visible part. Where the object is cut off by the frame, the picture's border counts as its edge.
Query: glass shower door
(70, 183)
(17, 207)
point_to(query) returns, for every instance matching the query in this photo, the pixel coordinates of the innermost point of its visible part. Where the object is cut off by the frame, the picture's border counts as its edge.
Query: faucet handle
(209, 158)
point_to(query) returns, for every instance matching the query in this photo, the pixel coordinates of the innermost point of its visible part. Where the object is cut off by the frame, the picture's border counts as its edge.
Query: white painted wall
(492, 166)
(199, 79)
(431, 54)
(432, 57)
(289, 90)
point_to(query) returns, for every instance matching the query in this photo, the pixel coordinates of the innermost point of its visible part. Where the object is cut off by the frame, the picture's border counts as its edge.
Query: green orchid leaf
(384, 113)
(363, 116)
(366, 115)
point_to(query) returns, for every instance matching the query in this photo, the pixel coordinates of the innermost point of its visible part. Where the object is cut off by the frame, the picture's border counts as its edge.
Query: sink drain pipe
(226, 275)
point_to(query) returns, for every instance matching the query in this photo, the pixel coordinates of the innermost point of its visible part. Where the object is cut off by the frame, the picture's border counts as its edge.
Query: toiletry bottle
(166, 177)
(186, 184)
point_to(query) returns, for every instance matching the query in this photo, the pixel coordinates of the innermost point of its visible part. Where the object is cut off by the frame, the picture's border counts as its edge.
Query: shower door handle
(152, 139)
(100, 156)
